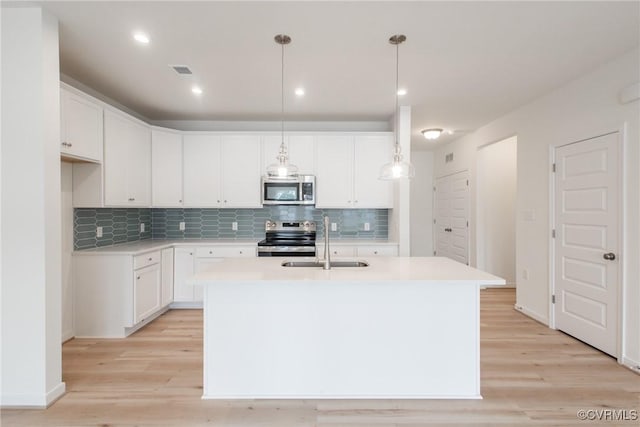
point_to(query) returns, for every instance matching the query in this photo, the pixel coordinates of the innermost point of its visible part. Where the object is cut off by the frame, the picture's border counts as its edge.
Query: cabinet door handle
(69, 145)
(131, 199)
(348, 201)
(609, 256)
(211, 252)
(375, 252)
(150, 259)
(180, 201)
(218, 201)
(240, 252)
(137, 277)
(225, 201)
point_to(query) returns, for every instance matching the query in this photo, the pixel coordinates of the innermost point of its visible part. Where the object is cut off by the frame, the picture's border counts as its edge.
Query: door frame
(435, 206)
(622, 203)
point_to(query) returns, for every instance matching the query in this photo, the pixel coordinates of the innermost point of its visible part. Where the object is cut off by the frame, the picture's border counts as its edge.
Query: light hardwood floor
(531, 376)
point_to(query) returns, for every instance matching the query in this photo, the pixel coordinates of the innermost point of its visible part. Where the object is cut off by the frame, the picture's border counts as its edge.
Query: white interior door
(586, 242)
(452, 216)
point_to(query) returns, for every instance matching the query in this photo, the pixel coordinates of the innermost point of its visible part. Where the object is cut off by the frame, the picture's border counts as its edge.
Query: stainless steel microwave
(300, 190)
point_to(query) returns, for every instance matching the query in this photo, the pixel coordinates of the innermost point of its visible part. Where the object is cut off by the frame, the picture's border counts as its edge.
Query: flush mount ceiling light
(432, 134)
(141, 37)
(196, 90)
(299, 91)
(282, 168)
(402, 92)
(398, 168)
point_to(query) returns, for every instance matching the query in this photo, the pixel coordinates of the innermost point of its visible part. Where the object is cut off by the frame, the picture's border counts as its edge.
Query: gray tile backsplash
(122, 225)
(118, 226)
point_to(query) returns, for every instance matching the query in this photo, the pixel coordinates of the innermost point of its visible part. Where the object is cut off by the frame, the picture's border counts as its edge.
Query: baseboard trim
(532, 314)
(33, 401)
(185, 305)
(633, 365)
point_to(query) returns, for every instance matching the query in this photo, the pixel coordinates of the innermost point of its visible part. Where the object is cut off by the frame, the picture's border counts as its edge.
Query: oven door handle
(286, 248)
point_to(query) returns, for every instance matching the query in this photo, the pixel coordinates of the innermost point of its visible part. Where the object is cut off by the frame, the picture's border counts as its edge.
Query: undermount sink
(320, 264)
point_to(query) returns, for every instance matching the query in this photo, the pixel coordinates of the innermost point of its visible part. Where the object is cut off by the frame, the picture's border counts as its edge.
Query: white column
(31, 264)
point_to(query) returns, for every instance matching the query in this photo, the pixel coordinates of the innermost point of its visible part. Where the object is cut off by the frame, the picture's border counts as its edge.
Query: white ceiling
(464, 64)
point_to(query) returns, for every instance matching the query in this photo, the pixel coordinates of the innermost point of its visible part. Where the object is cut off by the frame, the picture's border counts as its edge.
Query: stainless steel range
(288, 238)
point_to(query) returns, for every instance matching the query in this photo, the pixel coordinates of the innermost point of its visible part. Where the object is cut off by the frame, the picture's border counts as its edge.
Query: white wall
(496, 210)
(66, 183)
(422, 204)
(31, 349)
(583, 108)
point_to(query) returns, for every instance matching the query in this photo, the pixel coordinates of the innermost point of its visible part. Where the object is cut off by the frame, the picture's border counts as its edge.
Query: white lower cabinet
(190, 261)
(183, 269)
(167, 277)
(339, 250)
(116, 294)
(146, 292)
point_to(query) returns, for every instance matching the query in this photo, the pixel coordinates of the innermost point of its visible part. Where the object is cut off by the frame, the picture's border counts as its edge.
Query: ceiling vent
(181, 69)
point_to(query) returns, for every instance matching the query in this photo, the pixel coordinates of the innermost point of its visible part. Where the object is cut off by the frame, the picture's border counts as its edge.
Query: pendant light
(397, 169)
(282, 169)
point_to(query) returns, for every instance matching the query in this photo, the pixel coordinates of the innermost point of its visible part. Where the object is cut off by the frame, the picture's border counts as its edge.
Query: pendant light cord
(397, 80)
(282, 95)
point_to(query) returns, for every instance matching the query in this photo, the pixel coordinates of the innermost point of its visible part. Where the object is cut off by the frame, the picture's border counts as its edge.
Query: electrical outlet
(234, 226)
(367, 226)
(334, 226)
(142, 227)
(525, 274)
(99, 232)
(182, 227)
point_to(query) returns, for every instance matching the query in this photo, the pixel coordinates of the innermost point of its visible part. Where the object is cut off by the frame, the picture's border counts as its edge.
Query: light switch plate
(182, 227)
(234, 226)
(142, 227)
(99, 232)
(334, 226)
(367, 226)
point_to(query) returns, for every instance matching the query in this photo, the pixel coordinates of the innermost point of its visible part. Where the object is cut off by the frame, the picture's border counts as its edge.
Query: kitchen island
(399, 328)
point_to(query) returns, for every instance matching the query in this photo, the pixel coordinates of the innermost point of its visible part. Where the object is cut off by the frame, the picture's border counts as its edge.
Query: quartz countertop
(380, 269)
(148, 245)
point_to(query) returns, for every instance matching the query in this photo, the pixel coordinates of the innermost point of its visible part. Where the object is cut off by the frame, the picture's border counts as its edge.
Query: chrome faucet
(327, 252)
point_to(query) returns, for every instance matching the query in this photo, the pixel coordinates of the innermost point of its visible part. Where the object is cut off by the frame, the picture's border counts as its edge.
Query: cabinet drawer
(341, 251)
(226, 252)
(377, 251)
(144, 260)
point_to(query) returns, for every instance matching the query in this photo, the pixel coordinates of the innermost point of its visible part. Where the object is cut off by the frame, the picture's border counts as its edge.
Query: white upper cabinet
(370, 153)
(334, 171)
(166, 168)
(127, 163)
(81, 127)
(222, 171)
(240, 163)
(347, 169)
(299, 147)
(301, 153)
(202, 173)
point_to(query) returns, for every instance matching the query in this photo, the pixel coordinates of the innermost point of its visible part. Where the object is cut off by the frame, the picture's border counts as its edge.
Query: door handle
(448, 229)
(610, 256)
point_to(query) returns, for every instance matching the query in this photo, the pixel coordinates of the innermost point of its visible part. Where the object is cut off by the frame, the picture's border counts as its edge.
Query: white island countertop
(380, 269)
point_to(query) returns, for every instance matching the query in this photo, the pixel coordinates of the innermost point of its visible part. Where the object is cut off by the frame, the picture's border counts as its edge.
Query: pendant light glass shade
(282, 169)
(397, 169)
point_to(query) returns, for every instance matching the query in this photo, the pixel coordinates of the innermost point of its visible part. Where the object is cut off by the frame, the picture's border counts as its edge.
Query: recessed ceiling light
(141, 37)
(402, 92)
(431, 134)
(197, 90)
(300, 91)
